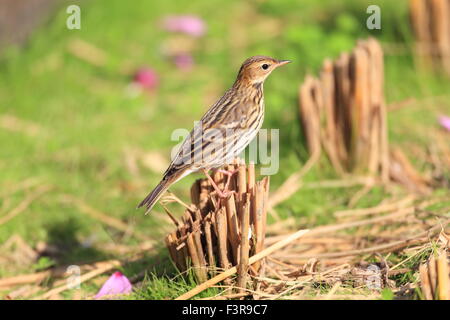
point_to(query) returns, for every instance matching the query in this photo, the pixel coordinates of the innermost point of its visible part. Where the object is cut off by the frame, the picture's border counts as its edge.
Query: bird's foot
(229, 174)
(225, 193)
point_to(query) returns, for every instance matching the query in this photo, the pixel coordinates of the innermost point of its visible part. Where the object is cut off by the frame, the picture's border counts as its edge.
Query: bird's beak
(283, 62)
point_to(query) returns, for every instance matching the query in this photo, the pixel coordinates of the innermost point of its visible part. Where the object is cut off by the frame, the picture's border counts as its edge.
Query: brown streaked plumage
(225, 129)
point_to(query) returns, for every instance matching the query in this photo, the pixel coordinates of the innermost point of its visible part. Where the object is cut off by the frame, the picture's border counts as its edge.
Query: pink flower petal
(183, 61)
(187, 24)
(116, 284)
(445, 122)
(146, 78)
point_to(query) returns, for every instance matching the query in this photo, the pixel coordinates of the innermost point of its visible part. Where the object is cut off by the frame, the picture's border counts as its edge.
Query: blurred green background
(77, 124)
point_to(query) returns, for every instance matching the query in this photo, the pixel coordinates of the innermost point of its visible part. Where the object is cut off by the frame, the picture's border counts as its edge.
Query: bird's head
(256, 69)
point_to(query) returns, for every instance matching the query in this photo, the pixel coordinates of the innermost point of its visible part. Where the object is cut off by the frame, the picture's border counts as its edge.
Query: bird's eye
(265, 66)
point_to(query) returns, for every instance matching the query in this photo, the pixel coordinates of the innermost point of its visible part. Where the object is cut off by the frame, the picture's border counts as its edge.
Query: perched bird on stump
(225, 129)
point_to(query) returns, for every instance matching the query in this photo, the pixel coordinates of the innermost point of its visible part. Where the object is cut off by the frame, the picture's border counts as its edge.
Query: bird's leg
(229, 174)
(222, 194)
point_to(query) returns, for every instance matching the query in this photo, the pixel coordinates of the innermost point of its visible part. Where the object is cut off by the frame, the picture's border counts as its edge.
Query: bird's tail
(156, 194)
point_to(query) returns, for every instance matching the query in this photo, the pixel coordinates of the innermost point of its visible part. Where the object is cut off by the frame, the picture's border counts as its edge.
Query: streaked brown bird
(225, 129)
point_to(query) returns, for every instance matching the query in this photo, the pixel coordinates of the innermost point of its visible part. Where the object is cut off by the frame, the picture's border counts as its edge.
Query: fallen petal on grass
(183, 61)
(444, 121)
(116, 284)
(146, 78)
(187, 24)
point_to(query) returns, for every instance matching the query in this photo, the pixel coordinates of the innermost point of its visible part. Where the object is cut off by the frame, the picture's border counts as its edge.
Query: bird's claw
(228, 173)
(225, 194)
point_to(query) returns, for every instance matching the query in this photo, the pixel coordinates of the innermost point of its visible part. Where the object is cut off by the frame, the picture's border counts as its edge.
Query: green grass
(88, 120)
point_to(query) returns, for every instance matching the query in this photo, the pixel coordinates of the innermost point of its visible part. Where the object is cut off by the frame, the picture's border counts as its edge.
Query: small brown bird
(225, 129)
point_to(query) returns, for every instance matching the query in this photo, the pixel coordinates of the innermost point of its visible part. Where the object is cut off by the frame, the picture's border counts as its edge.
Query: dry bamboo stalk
(327, 83)
(309, 116)
(318, 111)
(242, 179)
(222, 238)
(360, 107)
(430, 20)
(420, 18)
(181, 254)
(204, 194)
(209, 242)
(224, 275)
(317, 96)
(377, 100)
(374, 97)
(198, 244)
(425, 282)
(374, 150)
(342, 103)
(172, 250)
(251, 177)
(171, 216)
(257, 215)
(234, 169)
(188, 221)
(384, 143)
(432, 274)
(193, 253)
(327, 79)
(233, 227)
(244, 247)
(195, 193)
(198, 216)
(440, 11)
(228, 296)
(266, 186)
(443, 276)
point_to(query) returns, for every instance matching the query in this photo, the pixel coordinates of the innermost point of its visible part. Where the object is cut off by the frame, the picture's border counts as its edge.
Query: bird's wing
(219, 135)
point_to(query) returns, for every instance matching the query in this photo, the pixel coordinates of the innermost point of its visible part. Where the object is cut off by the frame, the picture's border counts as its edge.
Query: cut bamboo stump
(343, 115)
(343, 112)
(435, 277)
(430, 21)
(217, 234)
